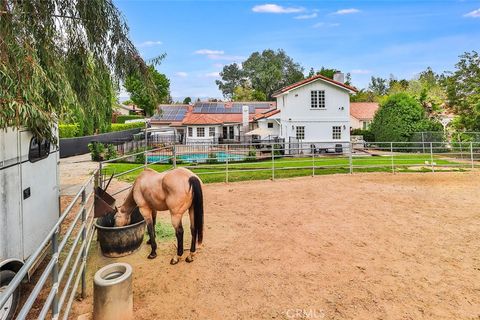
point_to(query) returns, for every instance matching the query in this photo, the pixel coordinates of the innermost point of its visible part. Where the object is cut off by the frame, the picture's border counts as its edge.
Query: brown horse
(176, 190)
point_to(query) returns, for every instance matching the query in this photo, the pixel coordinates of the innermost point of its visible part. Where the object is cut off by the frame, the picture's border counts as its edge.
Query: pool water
(198, 157)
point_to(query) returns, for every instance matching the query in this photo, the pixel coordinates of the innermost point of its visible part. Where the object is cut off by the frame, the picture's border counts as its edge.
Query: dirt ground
(366, 246)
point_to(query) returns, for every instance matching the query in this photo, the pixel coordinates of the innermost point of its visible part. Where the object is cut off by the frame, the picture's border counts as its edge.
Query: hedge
(123, 118)
(72, 130)
(68, 130)
(126, 126)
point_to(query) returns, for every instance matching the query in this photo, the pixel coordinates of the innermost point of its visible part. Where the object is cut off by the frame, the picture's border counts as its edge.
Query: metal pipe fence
(76, 222)
(233, 162)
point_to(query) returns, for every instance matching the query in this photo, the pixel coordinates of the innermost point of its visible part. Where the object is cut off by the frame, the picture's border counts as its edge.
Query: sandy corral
(362, 246)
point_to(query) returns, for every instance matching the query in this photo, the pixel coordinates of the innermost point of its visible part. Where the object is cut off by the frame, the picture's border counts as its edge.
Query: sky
(365, 38)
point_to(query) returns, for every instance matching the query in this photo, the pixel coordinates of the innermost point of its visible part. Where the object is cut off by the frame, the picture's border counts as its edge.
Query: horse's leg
(194, 238)
(147, 214)
(177, 224)
(154, 219)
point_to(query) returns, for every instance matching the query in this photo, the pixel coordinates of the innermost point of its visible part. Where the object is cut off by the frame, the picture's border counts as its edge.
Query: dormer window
(317, 99)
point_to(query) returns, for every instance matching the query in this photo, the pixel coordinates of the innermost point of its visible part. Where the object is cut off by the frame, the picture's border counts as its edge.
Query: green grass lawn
(291, 167)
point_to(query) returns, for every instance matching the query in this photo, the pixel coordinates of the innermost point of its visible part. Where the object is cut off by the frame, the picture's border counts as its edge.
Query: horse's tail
(197, 203)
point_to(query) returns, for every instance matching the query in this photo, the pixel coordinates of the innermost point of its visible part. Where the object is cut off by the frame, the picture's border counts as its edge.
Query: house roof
(213, 118)
(130, 107)
(266, 114)
(209, 113)
(363, 110)
(312, 79)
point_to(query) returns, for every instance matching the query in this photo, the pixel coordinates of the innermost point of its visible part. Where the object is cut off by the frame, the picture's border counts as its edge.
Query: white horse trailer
(29, 202)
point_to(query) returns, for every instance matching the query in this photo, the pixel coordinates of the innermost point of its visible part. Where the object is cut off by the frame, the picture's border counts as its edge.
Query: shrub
(123, 118)
(140, 158)
(126, 126)
(212, 158)
(399, 117)
(367, 134)
(279, 150)
(68, 130)
(111, 152)
(97, 151)
(252, 154)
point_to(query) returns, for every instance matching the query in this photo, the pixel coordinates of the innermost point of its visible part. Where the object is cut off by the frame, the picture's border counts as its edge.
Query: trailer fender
(11, 264)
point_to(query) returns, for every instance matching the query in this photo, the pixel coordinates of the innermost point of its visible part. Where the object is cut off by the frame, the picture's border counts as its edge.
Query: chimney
(339, 77)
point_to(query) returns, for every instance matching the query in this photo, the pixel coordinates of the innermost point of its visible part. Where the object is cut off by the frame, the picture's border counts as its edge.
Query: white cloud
(347, 11)
(275, 8)
(218, 65)
(307, 16)
(149, 43)
(181, 74)
(325, 25)
(225, 57)
(473, 14)
(212, 74)
(209, 52)
(360, 71)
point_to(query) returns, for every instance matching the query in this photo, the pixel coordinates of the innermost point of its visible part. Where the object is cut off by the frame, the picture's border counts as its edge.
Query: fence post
(471, 154)
(174, 155)
(350, 159)
(226, 168)
(273, 161)
(391, 155)
(313, 161)
(100, 173)
(55, 283)
(431, 157)
(84, 239)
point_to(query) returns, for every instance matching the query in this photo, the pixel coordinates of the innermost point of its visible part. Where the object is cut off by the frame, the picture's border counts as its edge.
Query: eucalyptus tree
(63, 59)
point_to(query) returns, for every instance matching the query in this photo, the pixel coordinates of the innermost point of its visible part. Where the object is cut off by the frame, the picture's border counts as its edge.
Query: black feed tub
(120, 241)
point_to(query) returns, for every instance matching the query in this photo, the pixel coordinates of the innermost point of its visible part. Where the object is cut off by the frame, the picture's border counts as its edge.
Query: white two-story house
(314, 110)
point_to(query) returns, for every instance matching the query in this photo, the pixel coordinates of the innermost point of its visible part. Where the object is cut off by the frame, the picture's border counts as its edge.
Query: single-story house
(361, 114)
(128, 109)
(210, 122)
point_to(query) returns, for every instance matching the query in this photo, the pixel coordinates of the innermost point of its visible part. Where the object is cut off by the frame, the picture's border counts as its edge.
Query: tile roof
(314, 78)
(210, 113)
(266, 114)
(363, 110)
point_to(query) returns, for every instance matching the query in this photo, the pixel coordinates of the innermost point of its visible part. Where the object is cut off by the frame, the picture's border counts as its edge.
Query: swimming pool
(199, 157)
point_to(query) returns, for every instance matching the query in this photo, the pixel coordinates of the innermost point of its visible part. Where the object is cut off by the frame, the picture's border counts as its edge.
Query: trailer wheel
(8, 310)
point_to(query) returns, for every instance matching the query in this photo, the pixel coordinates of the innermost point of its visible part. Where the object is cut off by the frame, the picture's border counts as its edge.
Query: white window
(200, 132)
(211, 132)
(365, 125)
(300, 133)
(317, 99)
(190, 131)
(336, 132)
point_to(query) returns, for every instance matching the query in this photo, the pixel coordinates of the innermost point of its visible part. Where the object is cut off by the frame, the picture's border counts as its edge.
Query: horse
(176, 190)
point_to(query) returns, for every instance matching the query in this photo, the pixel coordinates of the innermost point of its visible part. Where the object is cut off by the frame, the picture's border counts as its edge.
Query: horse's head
(122, 216)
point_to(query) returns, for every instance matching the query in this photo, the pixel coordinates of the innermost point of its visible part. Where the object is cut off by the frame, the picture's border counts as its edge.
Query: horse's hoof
(152, 256)
(174, 261)
(189, 259)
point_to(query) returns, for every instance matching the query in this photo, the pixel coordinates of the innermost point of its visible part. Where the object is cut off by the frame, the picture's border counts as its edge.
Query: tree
(428, 90)
(327, 72)
(463, 91)
(265, 72)
(363, 96)
(378, 86)
(43, 44)
(311, 73)
(399, 117)
(187, 100)
(232, 76)
(246, 93)
(142, 97)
